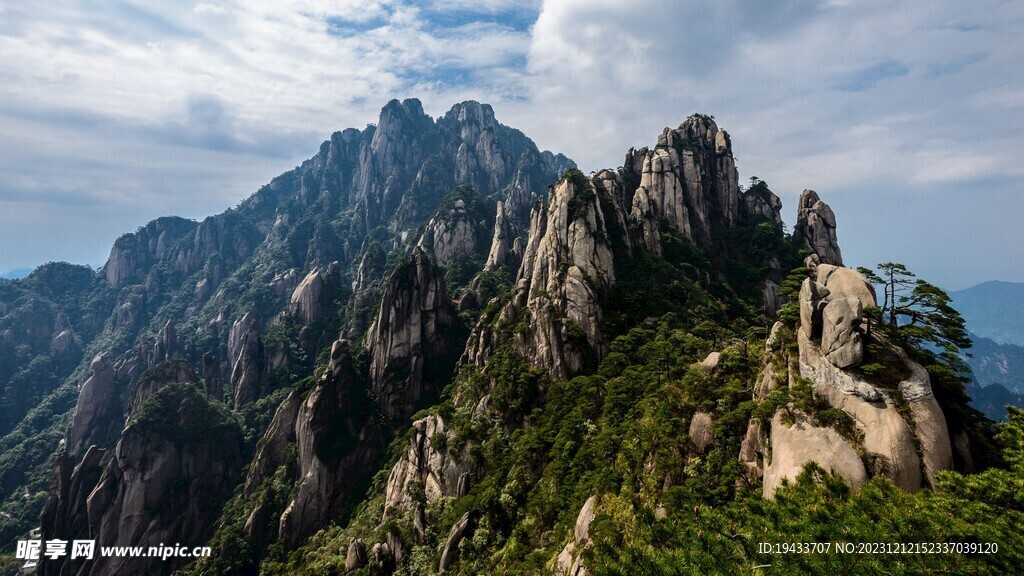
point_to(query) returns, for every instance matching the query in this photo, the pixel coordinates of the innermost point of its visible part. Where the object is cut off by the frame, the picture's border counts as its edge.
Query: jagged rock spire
(816, 228)
(414, 341)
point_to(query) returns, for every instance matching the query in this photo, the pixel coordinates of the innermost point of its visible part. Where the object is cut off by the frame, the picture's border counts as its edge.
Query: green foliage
(919, 317)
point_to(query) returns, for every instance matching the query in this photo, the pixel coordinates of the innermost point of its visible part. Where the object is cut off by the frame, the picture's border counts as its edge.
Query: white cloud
(144, 109)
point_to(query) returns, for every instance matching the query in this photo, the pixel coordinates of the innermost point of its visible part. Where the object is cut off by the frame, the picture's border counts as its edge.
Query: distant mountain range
(995, 318)
(993, 310)
(16, 274)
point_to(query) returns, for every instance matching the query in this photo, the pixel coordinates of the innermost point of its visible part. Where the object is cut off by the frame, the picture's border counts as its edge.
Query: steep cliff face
(687, 186)
(567, 266)
(66, 513)
(98, 394)
(458, 231)
(175, 464)
(247, 369)
(337, 436)
(428, 464)
(414, 341)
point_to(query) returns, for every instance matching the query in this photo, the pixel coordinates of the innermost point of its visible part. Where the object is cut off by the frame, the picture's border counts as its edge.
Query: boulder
(841, 340)
(846, 283)
(794, 446)
(355, 556)
(812, 302)
(701, 433)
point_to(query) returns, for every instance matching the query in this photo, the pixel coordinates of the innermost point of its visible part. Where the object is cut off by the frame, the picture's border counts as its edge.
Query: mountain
(998, 373)
(433, 348)
(993, 310)
(251, 297)
(16, 274)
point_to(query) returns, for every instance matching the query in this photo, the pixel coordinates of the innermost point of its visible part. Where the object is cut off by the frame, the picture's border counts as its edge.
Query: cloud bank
(905, 116)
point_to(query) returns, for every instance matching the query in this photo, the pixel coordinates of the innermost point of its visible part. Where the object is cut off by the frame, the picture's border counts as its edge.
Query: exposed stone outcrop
(211, 377)
(66, 515)
(366, 290)
(307, 298)
(66, 344)
(337, 436)
(355, 556)
(570, 559)
(689, 181)
(840, 336)
(506, 245)
(459, 228)
(567, 264)
(415, 339)
(761, 203)
(831, 341)
(236, 336)
(795, 445)
(133, 254)
(701, 431)
(156, 378)
(429, 462)
(272, 448)
(816, 228)
(97, 407)
(173, 467)
(753, 451)
(450, 551)
(245, 375)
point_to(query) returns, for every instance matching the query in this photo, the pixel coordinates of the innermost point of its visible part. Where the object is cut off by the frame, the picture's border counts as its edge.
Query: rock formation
(426, 463)
(688, 181)
(450, 551)
(96, 410)
(566, 266)
(245, 375)
(133, 254)
(831, 340)
(570, 559)
(816, 228)
(337, 436)
(156, 378)
(307, 298)
(175, 464)
(415, 339)
(459, 227)
(66, 515)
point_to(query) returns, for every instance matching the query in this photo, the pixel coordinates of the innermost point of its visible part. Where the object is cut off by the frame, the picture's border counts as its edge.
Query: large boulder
(841, 340)
(793, 446)
(846, 283)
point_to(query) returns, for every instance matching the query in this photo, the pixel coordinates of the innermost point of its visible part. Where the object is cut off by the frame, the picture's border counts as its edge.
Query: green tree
(919, 316)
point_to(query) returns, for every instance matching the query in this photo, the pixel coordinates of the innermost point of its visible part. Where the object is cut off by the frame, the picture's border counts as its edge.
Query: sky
(906, 117)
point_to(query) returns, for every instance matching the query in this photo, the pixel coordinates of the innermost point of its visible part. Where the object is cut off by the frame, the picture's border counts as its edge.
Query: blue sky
(907, 117)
